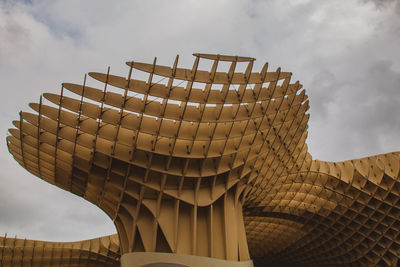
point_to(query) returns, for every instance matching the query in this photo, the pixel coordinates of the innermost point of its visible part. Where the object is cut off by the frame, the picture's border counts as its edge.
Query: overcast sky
(345, 53)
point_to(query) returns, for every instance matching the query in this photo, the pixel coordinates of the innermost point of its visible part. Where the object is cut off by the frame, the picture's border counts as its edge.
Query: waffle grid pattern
(211, 163)
(102, 252)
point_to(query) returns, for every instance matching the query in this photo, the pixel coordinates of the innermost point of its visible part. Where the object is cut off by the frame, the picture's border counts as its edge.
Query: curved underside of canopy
(211, 161)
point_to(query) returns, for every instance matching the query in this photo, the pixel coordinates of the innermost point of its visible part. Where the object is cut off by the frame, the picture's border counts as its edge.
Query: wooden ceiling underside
(191, 135)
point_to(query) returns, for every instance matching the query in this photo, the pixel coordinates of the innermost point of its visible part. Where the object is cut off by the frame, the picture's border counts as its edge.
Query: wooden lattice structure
(211, 163)
(99, 252)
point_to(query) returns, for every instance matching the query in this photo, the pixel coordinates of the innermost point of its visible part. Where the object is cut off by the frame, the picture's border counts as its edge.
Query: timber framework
(208, 165)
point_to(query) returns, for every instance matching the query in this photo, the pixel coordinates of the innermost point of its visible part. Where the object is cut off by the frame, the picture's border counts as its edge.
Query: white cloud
(344, 52)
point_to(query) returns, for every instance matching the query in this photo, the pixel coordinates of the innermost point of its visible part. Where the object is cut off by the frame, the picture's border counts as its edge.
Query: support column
(154, 259)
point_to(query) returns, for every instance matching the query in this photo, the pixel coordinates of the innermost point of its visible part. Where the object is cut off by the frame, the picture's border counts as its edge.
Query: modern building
(99, 252)
(208, 166)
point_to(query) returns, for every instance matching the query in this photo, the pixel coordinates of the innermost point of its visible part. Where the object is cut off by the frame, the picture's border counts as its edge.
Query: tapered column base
(155, 259)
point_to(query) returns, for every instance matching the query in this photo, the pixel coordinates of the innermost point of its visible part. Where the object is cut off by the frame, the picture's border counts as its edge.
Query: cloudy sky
(345, 53)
